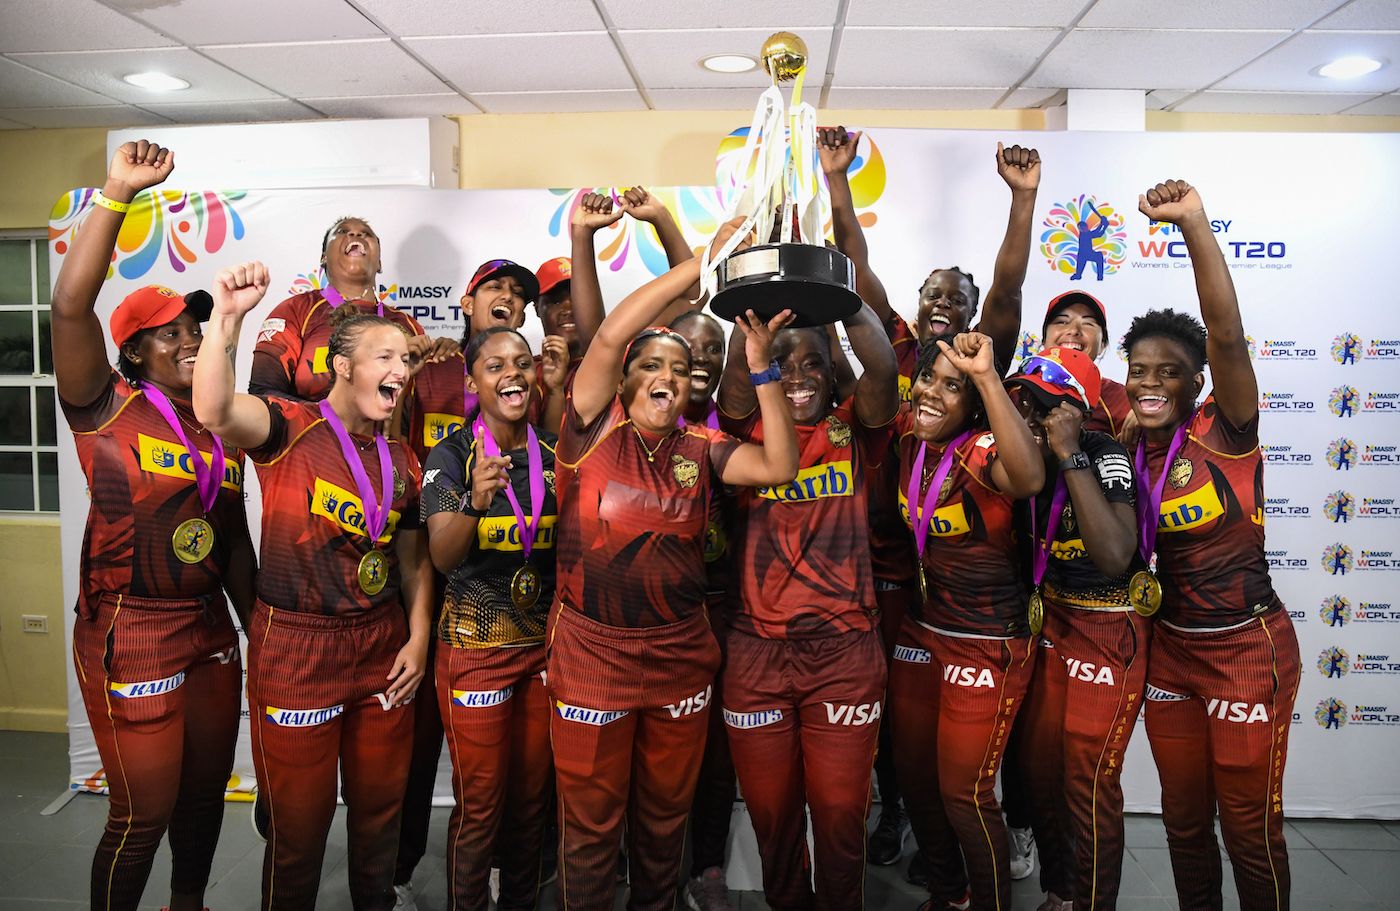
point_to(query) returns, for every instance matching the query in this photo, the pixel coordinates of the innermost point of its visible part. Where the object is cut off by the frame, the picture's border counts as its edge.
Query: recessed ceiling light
(1349, 67)
(728, 63)
(156, 82)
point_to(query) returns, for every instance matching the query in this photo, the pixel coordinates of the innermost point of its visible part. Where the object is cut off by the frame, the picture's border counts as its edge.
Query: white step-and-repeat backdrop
(1307, 223)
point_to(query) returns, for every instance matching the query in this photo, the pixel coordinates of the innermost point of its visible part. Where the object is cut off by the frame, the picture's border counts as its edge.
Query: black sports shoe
(262, 817)
(886, 844)
(918, 870)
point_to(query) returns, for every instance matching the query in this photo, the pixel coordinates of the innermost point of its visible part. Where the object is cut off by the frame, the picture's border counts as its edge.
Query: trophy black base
(816, 283)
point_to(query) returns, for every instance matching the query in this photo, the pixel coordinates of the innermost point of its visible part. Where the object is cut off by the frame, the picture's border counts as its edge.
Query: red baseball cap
(156, 305)
(1058, 375)
(554, 272)
(1069, 298)
(495, 267)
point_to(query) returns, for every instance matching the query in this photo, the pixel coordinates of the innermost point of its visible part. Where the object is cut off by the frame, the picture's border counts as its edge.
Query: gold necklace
(651, 453)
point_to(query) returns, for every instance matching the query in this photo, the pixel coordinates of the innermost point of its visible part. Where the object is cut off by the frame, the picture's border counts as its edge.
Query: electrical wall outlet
(35, 623)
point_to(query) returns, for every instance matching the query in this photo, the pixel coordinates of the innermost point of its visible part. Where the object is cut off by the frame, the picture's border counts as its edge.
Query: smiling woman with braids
(339, 635)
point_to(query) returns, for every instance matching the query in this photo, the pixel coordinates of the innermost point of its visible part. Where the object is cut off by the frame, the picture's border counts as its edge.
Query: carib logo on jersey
(948, 521)
(346, 510)
(174, 461)
(828, 479)
(502, 533)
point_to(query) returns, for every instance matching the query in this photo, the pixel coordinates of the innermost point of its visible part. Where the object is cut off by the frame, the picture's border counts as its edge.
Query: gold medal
(1035, 613)
(923, 585)
(193, 540)
(374, 572)
(1145, 593)
(525, 587)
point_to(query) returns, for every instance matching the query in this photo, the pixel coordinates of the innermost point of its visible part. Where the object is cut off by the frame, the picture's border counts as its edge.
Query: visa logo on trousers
(595, 717)
(303, 718)
(848, 715)
(759, 719)
(147, 688)
(1089, 673)
(968, 676)
(481, 699)
(1245, 712)
(690, 704)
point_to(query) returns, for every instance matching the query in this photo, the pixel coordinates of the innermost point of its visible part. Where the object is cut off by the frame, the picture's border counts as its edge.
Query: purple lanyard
(206, 478)
(335, 299)
(1040, 557)
(528, 530)
(1149, 494)
(711, 417)
(922, 516)
(376, 511)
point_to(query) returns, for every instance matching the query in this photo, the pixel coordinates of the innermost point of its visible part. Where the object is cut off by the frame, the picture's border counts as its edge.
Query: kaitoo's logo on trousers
(146, 688)
(303, 718)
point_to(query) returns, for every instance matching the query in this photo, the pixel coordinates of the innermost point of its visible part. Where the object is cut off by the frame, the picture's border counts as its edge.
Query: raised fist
(1019, 167)
(1172, 201)
(139, 165)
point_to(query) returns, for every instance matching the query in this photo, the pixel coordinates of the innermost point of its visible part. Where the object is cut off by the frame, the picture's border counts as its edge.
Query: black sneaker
(262, 817)
(885, 845)
(917, 873)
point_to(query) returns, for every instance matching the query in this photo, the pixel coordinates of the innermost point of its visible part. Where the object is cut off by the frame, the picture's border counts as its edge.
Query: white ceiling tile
(1384, 106)
(774, 15)
(331, 69)
(1364, 14)
(114, 115)
(217, 22)
(1206, 14)
(70, 25)
(1289, 68)
(953, 13)
(560, 102)
(671, 59)
(21, 87)
(438, 104)
(475, 17)
(102, 71)
(1162, 98)
(938, 57)
(1033, 98)
(713, 99)
(921, 99)
(1268, 102)
(584, 61)
(234, 111)
(1147, 59)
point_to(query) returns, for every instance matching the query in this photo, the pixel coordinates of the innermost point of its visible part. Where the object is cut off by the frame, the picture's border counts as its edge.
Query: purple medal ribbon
(1149, 502)
(335, 299)
(376, 510)
(711, 417)
(1041, 556)
(922, 515)
(207, 479)
(528, 530)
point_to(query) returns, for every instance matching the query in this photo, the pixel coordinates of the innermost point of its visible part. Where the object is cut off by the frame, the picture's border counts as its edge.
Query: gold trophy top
(785, 56)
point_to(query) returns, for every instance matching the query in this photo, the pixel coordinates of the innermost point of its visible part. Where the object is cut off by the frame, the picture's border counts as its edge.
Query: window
(28, 422)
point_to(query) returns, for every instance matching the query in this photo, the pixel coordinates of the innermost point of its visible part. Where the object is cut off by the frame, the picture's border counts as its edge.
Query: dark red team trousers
(160, 682)
(496, 715)
(628, 721)
(316, 696)
(1081, 710)
(1219, 705)
(953, 700)
(716, 788)
(803, 718)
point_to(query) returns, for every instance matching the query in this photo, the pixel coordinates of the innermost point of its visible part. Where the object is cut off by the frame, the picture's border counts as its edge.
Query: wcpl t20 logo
(1082, 234)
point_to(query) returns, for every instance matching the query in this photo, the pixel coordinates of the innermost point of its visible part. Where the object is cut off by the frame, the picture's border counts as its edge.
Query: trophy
(784, 196)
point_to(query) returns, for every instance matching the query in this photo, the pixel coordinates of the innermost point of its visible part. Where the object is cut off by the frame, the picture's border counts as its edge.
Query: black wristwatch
(1078, 460)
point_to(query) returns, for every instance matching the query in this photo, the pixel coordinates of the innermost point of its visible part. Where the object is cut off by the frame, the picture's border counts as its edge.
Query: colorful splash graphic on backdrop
(866, 174)
(697, 210)
(181, 224)
(307, 281)
(1084, 237)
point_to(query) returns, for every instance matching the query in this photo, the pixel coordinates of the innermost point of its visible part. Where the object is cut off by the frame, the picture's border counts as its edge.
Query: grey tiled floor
(44, 861)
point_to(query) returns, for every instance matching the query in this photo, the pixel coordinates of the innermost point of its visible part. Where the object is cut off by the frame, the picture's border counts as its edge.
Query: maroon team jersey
(142, 488)
(1111, 410)
(292, 357)
(1210, 530)
(803, 548)
(631, 545)
(313, 520)
(438, 404)
(970, 562)
(891, 550)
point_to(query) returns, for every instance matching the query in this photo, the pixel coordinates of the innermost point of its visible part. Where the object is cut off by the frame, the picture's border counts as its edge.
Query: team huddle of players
(617, 575)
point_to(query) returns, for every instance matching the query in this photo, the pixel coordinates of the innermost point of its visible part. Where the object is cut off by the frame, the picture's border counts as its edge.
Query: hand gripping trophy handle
(798, 272)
